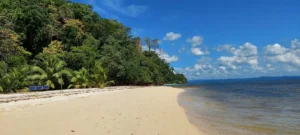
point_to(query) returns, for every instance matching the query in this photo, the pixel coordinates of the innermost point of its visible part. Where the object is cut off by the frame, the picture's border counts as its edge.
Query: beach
(130, 111)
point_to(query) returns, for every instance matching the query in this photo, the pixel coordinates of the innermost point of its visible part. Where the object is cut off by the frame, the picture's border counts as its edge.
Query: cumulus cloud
(166, 56)
(275, 49)
(243, 55)
(277, 53)
(195, 40)
(198, 51)
(295, 44)
(226, 48)
(172, 36)
(130, 10)
(202, 69)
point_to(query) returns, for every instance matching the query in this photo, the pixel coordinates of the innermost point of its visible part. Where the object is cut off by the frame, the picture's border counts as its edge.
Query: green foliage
(72, 33)
(14, 79)
(81, 56)
(3, 68)
(50, 71)
(98, 75)
(9, 44)
(54, 47)
(94, 78)
(69, 45)
(80, 79)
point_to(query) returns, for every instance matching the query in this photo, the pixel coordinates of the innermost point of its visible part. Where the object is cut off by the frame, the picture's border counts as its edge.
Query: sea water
(245, 107)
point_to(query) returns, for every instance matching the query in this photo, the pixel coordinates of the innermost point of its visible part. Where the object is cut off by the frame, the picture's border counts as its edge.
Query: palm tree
(51, 71)
(80, 79)
(14, 79)
(99, 76)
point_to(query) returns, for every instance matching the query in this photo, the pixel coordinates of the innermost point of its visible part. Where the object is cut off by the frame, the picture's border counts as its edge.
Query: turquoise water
(245, 107)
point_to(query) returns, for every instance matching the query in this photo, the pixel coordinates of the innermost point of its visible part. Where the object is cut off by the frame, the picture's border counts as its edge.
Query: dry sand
(140, 111)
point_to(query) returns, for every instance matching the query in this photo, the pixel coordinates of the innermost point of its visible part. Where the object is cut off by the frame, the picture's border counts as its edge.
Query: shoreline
(148, 110)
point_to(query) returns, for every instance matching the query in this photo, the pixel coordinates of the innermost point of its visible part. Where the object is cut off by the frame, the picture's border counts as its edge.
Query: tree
(69, 44)
(50, 71)
(33, 17)
(54, 47)
(9, 44)
(14, 79)
(72, 33)
(152, 44)
(80, 79)
(95, 78)
(81, 56)
(99, 76)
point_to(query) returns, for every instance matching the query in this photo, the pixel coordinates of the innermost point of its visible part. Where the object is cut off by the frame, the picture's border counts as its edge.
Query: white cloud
(145, 48)
(203, 67)
(275, 49)
(227, 48)
(195, 40)
(201, 71)
(295, 44)
(244, 55)
(223, 68)
(277, 53)
(172, 36)
(130, 10)
(270, 67)
(198, 51)
(166, 56)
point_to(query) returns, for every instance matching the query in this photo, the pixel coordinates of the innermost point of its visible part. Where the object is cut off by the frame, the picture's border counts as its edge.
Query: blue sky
(209, 39)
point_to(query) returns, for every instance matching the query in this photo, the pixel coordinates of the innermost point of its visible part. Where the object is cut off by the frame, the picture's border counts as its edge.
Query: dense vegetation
(64, 44)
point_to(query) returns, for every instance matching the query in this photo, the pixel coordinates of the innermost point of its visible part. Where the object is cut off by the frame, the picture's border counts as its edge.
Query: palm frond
(109, 83)
(36, 69)
(50, 84)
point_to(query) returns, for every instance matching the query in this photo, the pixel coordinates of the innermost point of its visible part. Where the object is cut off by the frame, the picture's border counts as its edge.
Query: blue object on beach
(32, 88)
(45, 87)
(38, 88)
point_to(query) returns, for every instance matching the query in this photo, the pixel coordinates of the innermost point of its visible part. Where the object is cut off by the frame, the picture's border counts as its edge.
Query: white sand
(140, 111)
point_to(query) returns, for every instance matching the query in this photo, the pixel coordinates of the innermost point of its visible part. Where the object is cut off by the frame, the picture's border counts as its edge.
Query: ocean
(260, 106)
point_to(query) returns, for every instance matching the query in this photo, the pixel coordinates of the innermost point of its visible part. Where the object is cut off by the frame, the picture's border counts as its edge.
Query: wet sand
(140, 111)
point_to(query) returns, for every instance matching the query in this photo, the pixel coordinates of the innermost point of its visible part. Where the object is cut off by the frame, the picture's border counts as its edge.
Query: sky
(215, 39)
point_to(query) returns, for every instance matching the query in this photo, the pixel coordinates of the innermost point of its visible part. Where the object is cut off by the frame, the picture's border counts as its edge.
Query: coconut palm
(99, 76)
(50, 72)
(80, 79)
(14, 79)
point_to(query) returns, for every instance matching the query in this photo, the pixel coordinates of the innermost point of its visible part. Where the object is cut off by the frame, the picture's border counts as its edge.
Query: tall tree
(152, 44)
